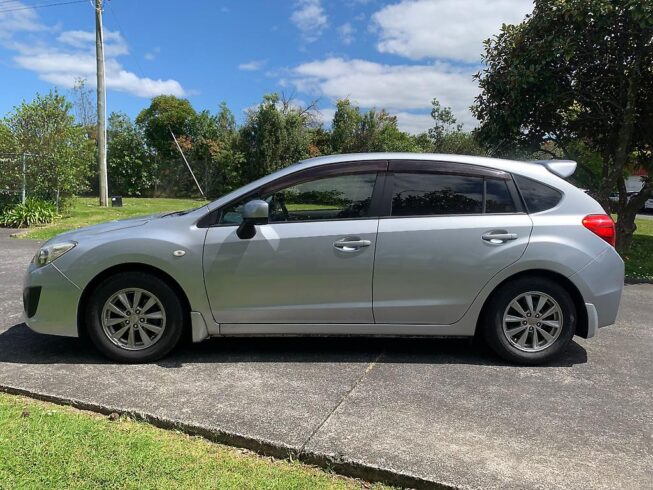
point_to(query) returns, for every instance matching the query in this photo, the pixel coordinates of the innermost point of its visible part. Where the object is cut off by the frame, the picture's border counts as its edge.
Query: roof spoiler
(561, 168)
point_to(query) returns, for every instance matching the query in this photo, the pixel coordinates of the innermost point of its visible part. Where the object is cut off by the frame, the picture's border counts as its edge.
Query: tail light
(601, 225)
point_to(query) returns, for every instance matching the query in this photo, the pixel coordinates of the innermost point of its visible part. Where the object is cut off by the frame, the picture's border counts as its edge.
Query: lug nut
(142, 319)
(126, 322)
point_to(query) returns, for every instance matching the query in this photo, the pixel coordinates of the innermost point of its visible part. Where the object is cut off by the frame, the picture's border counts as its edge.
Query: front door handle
(351, 245)
(499, 237)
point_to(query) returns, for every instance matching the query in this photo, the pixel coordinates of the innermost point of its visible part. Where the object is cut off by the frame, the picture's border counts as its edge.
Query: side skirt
(455, 330)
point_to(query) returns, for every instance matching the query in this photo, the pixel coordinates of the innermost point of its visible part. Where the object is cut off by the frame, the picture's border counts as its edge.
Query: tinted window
(497, 197)
(342, 197)
(433, 194)
(537, 196)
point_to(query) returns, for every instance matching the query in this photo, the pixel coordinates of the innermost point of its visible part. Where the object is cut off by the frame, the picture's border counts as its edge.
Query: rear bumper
(50, 301)
(601, 283)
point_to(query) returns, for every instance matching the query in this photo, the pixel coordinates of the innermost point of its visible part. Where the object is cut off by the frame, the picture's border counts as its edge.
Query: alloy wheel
(133, 319)
(532, 321)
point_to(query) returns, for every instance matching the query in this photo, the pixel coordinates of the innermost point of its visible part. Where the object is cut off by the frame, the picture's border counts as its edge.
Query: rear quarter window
(537, 196)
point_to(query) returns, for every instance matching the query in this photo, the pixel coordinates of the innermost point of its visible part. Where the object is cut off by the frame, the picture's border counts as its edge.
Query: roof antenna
(186, 161)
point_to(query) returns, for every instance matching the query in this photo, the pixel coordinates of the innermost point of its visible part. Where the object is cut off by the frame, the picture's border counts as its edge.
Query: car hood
(93, 230)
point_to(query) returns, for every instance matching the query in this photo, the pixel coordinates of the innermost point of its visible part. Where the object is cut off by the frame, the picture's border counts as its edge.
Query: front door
(312, 263)
(447, 235)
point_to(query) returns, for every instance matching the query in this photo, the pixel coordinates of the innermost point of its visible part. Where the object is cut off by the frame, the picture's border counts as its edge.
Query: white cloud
(19, 21)
(71, 55)
(310, 19)
(253, 65)
(397, 88)
(413, 123)
(449, 29)
(152, 55)
(346, 32)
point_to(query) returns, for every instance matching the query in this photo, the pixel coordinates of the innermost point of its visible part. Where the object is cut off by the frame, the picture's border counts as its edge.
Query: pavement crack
(369, 367)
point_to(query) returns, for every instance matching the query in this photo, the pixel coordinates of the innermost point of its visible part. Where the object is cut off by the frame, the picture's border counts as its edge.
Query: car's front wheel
(530, 320)
(134, 317)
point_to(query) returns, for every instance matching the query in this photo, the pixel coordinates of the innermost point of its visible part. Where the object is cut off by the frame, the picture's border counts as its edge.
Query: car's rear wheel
(135, 317)
(530, 320)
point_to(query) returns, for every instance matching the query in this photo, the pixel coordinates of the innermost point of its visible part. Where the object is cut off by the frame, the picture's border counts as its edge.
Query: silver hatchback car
(368, 244)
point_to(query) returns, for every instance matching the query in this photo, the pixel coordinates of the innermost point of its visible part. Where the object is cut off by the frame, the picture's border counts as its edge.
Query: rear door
(448, 229)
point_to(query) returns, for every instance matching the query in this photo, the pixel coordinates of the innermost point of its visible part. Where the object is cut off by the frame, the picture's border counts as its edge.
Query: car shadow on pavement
(19, 344)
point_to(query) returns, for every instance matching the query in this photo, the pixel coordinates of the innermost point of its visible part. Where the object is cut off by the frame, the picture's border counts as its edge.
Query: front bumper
(54, 311)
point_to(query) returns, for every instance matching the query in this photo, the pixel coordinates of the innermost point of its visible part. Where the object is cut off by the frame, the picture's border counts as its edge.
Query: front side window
(436, 194)
(341, 197)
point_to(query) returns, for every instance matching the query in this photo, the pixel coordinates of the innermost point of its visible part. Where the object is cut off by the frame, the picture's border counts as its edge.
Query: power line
(40, 6)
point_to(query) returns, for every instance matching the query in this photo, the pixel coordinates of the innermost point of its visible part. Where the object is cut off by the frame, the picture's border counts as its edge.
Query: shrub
(32, 212)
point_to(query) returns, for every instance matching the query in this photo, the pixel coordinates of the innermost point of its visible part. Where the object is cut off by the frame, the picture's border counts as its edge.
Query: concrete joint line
(342, 399)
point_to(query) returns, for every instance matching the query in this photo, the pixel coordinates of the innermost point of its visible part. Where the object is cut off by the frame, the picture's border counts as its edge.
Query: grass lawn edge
(368, 474)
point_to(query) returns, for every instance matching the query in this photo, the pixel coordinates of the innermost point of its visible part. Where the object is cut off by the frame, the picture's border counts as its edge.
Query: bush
(32, 212)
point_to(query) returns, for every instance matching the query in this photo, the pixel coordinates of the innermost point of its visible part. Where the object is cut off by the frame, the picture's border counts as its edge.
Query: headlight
(52, 252)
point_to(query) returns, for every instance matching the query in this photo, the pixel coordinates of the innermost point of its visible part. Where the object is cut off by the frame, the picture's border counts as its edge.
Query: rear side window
(497, 197)
(537, 196)
(433, 194)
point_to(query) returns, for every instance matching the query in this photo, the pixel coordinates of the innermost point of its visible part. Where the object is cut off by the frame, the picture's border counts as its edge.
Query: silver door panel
(428, 270)
(292, 273)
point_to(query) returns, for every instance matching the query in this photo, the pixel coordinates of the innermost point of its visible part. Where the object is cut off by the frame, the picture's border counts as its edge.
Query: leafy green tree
(63, 153)
(447, 135)
(130, 164)
(373, 131)
(345, 127)
(7, 141)
(168, 113)
(576, 70)
(213, 151)
(275, 135)
(227, 157)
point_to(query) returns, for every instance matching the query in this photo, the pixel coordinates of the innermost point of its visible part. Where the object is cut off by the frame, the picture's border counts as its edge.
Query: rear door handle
(496, 238)
(348, 245)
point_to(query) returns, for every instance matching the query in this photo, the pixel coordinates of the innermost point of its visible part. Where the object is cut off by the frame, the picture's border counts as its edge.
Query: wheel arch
(579, 303)
(129, 267)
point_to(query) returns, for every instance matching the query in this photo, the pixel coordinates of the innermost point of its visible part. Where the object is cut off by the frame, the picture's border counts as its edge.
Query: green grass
(60, 447)
(86, 211)
(639, 260)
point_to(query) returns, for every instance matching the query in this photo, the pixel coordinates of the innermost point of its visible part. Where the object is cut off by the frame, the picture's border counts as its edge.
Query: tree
(576, 70)
(275, 135)
(130, 165)
(83, 101)
(63, 153)
(375, 130)
(447, 135)
(168, 113)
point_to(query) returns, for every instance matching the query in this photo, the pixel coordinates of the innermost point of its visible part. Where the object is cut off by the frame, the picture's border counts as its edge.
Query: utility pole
(101, 106)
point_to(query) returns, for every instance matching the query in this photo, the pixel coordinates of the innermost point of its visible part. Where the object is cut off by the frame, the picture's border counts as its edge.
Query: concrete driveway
(428, 412)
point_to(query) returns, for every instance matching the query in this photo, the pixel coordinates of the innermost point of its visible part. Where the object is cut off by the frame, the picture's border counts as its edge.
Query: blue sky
(396, 54)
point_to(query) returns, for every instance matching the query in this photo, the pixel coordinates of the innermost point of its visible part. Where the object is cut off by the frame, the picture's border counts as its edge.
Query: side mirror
(255, 212)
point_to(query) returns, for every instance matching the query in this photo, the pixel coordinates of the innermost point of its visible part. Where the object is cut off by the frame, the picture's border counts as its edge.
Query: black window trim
(445, 167)
(212, 219)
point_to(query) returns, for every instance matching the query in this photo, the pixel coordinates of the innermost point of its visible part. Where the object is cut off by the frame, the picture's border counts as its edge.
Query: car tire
(521, 329)
(121, 331)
